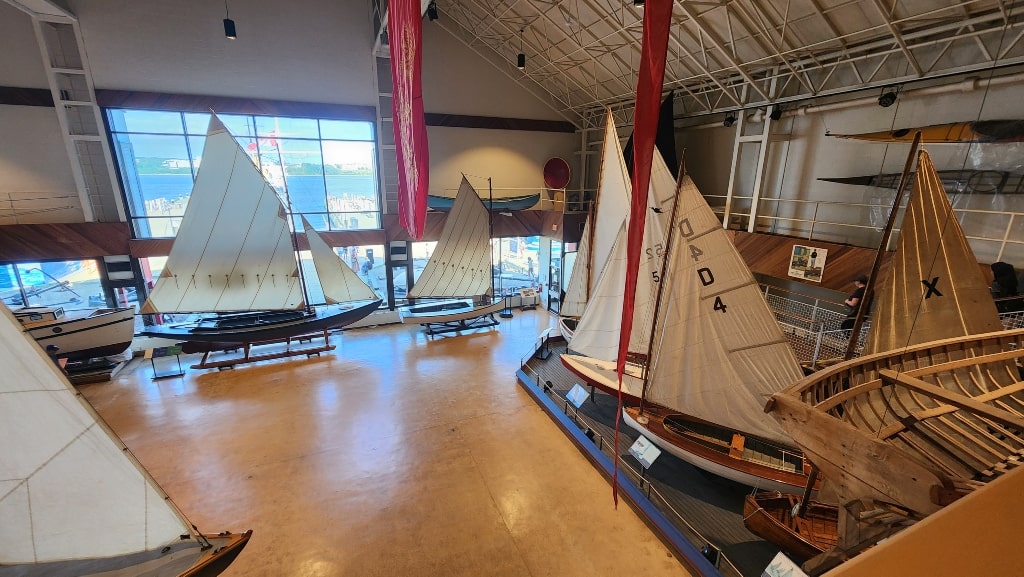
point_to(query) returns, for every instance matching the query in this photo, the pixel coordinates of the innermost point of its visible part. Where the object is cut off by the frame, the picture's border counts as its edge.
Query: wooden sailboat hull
(725, 453)
(522, 202)
(185, 559)
(265, 328)
(953, 181)
(86, 334)
(448, 311)
(567, 326)
(981, 131)
(770, 516)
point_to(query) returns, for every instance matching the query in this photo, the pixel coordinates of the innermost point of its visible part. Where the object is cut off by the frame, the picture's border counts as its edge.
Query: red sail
(405, 33)
(657, 19)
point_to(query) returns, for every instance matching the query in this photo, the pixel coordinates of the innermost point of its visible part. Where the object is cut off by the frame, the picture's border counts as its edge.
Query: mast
(291, 232)
(661, 288)
(490, 234)
(869, 288)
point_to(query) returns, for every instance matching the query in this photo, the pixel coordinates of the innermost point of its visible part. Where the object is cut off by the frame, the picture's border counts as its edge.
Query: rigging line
(950, 214)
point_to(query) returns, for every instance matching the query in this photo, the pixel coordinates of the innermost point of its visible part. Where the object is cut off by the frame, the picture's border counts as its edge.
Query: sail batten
(461, 263)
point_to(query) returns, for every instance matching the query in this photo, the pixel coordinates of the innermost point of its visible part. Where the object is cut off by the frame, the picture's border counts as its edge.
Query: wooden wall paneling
(28, 242)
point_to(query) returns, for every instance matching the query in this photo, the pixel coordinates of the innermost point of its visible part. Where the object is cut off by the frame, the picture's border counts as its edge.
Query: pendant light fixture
(229, 24)
(521, 57)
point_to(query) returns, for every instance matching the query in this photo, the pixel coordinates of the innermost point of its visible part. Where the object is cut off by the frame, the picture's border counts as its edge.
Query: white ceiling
(583, 55)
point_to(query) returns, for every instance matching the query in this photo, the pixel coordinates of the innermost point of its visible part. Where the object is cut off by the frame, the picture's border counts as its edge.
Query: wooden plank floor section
(710, 505)
(394, 455)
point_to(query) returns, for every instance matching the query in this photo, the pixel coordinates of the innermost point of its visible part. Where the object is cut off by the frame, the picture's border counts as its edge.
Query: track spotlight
(432, 11)
(887, 99)
(776, 113)
(229, 24)
(521, 57)
(729, 121)
(589, 433)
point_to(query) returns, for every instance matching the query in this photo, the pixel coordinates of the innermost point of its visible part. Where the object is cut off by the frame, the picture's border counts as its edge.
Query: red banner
(657, 19)
(405, 36)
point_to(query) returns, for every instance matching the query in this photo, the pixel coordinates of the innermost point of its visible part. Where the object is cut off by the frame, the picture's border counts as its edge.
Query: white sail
(934, 288)
(461, 263)
(719, 352)
(340, 283)
(597, 335)
(612, 205)
(576, 293)
(234, 250)
(68, 489)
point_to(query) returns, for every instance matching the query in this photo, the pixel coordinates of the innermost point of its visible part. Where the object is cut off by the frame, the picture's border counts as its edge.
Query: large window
(323, 169)
(70, 284)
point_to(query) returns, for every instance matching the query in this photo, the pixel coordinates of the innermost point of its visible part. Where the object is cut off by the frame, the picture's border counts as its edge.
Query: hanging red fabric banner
(405, 37)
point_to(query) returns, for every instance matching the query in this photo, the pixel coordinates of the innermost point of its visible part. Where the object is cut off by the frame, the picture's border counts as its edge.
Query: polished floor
(394, 455)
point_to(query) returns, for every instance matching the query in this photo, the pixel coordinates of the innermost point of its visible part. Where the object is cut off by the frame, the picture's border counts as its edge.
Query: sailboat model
(234, 255)
(932, 409)
(73, 500)
(717, 353)
(458, 272)
(599, 234)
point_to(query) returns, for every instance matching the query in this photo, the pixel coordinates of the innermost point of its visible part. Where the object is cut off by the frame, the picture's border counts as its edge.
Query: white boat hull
(447, 311)
(86, 334)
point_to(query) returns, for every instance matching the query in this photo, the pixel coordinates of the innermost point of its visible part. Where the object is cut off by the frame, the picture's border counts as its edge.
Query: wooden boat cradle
(248, 357)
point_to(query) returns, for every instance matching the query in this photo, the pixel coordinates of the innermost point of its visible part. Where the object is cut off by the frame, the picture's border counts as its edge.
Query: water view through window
(323, 169)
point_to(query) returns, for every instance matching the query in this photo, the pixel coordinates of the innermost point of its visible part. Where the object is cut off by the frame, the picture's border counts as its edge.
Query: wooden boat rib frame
(955, 405)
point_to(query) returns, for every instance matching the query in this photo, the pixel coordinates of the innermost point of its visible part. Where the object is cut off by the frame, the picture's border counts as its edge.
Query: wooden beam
(957, 400)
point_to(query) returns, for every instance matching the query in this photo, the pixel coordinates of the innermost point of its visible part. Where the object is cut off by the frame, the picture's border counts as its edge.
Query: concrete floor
(394, 455)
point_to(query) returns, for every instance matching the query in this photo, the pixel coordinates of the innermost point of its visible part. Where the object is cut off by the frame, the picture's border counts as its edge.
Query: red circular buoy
(557, 173)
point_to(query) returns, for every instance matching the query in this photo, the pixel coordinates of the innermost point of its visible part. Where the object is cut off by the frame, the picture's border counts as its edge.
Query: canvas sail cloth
(597, 335)
(69, 492)
(934, 288)
(610, 210)
(719, 352)
(234, 250)
(461, 263)
(340, 283)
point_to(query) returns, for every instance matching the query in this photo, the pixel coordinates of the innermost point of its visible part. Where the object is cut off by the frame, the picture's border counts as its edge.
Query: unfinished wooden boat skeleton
(457, 279)
(73, 499)
(921, 423)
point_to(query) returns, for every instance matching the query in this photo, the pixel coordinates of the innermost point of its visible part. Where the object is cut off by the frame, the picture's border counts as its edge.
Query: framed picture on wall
(807, 262)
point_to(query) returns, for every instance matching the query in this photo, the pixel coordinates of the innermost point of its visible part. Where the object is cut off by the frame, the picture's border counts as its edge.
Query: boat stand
(480, 322)
(248, 357)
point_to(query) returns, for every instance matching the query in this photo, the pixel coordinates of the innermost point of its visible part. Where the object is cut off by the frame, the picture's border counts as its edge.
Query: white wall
(793, 172)
(513, 159)
(21, 65)
(307, 50)
(456, 80)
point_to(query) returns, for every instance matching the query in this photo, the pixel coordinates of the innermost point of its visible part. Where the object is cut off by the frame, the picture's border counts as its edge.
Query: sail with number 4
(718, 354)
(73, 500)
